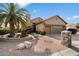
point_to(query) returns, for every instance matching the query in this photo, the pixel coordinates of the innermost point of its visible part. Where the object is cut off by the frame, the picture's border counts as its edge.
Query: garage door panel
(56, 28)
(48, 29)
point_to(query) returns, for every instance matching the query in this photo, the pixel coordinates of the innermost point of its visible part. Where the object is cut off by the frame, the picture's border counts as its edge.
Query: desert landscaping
(43, 46)
(20, 35)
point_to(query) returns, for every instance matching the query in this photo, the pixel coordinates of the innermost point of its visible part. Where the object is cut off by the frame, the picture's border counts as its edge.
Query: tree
(14, 16)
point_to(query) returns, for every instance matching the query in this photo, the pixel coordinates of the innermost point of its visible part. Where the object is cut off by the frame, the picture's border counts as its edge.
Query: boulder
(66, 38)
(20, 46)
(28, 44)
(32, 37)
(6, 35)
(17, 35)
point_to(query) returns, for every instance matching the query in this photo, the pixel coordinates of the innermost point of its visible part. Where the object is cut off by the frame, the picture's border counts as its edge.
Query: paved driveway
(58, 36)
(73, 51)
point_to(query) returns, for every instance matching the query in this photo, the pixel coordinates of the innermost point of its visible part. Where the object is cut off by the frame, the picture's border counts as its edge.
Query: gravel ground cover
(48, 46)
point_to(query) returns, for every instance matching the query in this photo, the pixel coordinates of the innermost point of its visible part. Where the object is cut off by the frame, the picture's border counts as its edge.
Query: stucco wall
(40, 27)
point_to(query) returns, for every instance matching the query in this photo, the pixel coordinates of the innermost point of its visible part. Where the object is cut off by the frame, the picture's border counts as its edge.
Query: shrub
(40, 32)
(43, 33)
(28, 31)
(73, 30)
(23, 33)
(2, 32)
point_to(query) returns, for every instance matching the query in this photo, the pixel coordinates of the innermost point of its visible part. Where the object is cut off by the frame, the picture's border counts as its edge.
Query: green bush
(73, 30)
(2, 32)
(28, 32)
(42, 33)
(23, 33)
(38, 32)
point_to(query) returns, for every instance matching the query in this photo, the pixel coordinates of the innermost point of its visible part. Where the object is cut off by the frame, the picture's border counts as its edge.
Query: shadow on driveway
(75, 48)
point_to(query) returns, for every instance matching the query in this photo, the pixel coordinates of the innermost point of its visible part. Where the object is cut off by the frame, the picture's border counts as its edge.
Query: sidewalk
(73, 51)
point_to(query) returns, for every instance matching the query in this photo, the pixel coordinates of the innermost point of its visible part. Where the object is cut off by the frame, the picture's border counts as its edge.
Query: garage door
(56, 28)
(48, 29)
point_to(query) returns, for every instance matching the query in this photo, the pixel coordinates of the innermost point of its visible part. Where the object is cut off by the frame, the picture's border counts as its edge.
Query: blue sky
(68, 11)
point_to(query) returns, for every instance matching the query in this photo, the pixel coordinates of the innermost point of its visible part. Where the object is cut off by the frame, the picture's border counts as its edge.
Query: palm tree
(14, 16)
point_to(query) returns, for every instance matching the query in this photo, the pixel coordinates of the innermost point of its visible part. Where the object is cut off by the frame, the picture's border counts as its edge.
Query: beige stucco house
(50, 25)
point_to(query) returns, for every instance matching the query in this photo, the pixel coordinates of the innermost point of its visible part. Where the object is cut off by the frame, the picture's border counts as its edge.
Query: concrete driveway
(73, 51)
(58, 36)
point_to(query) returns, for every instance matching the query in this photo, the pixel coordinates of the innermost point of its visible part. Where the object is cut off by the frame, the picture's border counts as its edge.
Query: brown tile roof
(37, 20)
(55, 16)
(62, 19)
(51, 18)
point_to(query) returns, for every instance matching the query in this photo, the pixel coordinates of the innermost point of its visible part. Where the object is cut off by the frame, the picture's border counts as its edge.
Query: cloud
(22, 5)
(35, 11)
(72, 17)
(69, 18)
(75, 17)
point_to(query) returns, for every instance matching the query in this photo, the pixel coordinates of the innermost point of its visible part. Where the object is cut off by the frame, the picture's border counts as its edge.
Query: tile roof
(36, 20)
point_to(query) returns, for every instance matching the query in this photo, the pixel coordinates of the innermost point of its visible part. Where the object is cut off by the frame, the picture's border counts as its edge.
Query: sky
(68, 11)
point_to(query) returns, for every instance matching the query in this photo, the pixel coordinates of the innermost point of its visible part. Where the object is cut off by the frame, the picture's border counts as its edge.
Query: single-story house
(50, 25)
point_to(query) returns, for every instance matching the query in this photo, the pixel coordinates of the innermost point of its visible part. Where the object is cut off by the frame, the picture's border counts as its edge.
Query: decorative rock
(27, 44)
(32, 37)
(20, 46)
(66, 38)
(6, 35)
(17, 35)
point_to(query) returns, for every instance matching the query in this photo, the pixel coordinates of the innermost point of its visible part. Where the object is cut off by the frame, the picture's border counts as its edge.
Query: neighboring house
(70, 25)
(51, 25)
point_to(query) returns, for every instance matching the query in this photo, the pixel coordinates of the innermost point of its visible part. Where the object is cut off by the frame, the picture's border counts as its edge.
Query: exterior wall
(48, 29)
(40, 27)
(54, 28)
(55, 25)
(51, 25)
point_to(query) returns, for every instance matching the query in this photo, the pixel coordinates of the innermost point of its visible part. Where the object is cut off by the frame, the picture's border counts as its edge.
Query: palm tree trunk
(12, 28)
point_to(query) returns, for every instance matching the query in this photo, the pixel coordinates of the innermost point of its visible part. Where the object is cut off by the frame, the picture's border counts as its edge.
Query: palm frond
(2, 18)
(22, 22)
(22, 11)
(4, 6)
(10, 12)
(2, 11)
